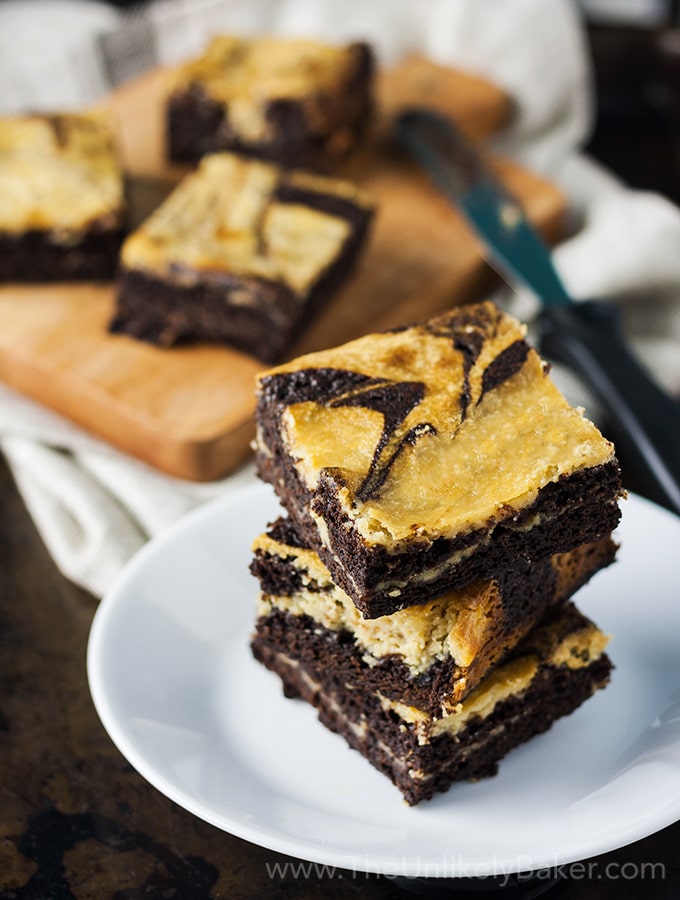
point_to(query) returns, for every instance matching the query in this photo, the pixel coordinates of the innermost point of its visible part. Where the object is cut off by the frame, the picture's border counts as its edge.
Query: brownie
(421, 459)
(430, 656)
(558, 666)
(62, 205)
(297, 102)
(242, 252)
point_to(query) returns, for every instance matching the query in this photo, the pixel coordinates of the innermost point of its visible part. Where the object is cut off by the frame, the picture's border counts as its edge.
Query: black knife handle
(645, 422)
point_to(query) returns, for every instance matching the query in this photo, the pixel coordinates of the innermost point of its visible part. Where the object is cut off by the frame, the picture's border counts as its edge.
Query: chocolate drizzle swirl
(334, 388)
(469, 346)
(319, 385)
(395, 400)
(60, 129)
(504, 366)
(467, 330)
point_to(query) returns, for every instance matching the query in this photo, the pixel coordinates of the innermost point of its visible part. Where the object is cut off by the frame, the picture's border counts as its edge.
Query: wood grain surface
(188, 410)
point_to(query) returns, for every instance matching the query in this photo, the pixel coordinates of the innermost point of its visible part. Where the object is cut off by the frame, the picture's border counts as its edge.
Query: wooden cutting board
(188, 410)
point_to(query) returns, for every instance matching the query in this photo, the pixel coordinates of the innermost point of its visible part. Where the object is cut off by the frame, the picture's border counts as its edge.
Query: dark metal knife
(644, 421)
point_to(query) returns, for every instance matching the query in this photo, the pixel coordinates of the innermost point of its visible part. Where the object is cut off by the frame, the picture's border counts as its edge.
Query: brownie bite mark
(555, 669)
(242, 252)
(62, 204)
(418, 460)
(294, 101)
(430, 656)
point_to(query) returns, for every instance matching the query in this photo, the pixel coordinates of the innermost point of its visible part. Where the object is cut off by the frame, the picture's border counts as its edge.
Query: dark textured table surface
(76, 821)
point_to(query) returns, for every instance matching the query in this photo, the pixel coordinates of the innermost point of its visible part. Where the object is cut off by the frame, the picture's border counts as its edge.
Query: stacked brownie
(444, 502)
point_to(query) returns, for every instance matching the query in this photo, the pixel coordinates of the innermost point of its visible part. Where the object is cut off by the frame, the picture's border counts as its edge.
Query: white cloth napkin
(94, 506)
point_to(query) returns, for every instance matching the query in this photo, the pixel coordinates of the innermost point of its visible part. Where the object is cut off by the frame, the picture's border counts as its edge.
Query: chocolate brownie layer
(417, 461)
(297, 102)
(556, 668)
(41, 256)
(242, 252)
(430, 656)
(61, 198)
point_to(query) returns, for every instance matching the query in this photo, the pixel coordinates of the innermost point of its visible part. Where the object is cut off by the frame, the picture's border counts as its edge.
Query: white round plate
(175, 686)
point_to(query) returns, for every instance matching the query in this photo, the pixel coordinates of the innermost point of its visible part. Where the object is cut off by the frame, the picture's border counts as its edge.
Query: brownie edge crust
(38, 256)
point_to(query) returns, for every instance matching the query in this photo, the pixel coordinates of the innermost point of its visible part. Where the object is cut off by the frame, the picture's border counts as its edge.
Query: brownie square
(429, 656)
(421, 459)
(242, 252)
(297, 102)
(62, 201)
(557, 666)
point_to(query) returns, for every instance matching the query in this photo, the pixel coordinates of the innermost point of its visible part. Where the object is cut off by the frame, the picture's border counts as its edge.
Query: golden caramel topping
(441, 427)
(579, 648)
(246, 75)
(225, 217)
(509, 680)
(58, 173)
(456, 624)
